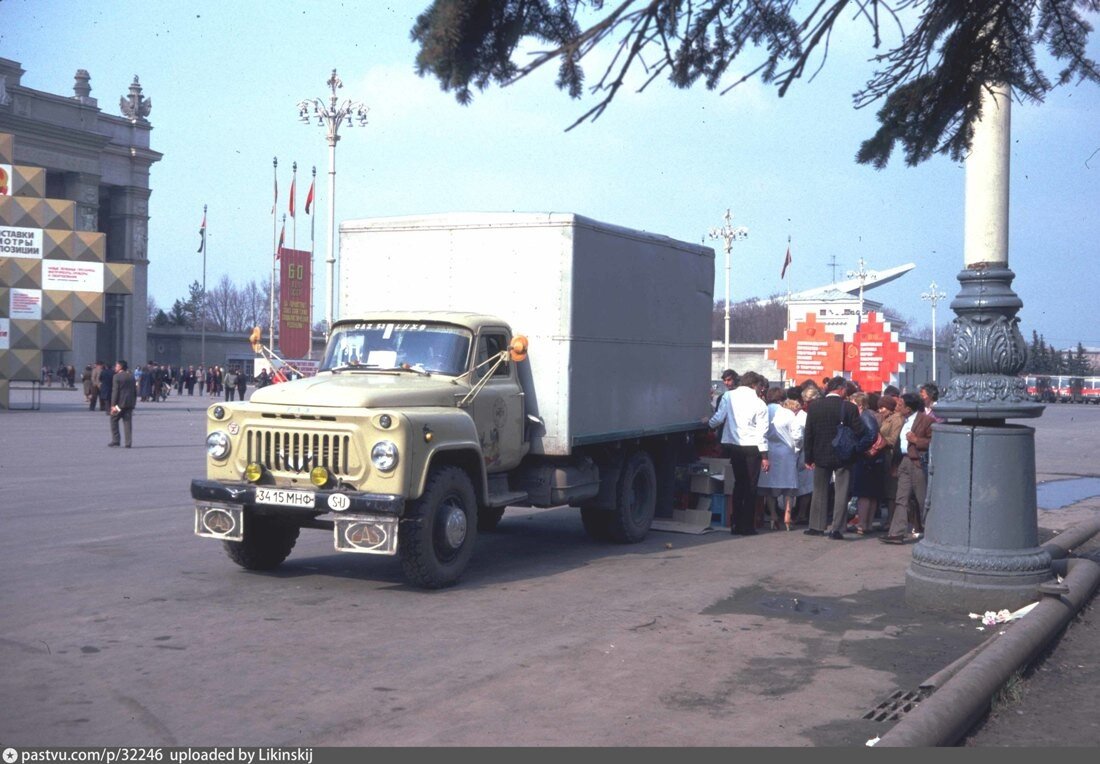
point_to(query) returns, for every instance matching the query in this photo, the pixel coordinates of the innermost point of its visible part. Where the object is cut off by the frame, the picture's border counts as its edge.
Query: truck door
(498, 410)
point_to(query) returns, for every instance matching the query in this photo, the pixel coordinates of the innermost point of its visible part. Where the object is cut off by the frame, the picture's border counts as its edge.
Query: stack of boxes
(711, 494)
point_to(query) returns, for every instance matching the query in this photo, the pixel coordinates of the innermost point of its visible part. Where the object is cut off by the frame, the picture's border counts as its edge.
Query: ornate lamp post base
(980, 549)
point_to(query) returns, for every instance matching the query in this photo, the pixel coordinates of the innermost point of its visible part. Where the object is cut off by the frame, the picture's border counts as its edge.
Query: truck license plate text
(284, 498)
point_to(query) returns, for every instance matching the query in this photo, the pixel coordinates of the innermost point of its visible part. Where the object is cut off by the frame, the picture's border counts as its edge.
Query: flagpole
(274, 253)
(312, 246)
(202, 309)
(278, 256)
(293, 217)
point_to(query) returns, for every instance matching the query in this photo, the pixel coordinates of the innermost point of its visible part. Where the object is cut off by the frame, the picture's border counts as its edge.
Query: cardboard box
(707, 484)
(721, 472)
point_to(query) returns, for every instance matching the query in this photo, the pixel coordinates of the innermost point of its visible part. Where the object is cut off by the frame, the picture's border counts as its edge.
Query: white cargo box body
(619, 321)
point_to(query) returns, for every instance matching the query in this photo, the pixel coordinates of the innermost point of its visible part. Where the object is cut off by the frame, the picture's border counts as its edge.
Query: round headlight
(384, 455)
(253, 471)
(217, 445)
(319, 476)
(219, 412)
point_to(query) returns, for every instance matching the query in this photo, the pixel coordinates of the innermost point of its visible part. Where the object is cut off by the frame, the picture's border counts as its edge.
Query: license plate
(280, 497)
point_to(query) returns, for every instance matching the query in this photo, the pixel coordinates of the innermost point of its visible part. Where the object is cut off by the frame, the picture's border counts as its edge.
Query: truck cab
(393, 444)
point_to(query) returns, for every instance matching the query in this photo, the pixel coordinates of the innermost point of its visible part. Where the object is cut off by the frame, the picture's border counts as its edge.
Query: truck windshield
(435, 348)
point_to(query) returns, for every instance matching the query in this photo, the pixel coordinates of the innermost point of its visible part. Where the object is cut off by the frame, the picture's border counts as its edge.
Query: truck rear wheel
(267, 542)
(439, 530)
(635, 500)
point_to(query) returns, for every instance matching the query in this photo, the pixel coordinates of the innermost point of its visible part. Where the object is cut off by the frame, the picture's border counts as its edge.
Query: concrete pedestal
(980, 550)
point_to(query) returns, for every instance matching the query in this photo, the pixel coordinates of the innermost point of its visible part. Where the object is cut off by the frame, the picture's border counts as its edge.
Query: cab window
(490, 345)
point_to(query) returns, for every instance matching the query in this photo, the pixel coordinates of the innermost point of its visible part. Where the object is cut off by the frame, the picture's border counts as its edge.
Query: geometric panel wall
(51, 275)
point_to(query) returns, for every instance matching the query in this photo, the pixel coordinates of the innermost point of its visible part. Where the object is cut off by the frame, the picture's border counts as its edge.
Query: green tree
(929, 84)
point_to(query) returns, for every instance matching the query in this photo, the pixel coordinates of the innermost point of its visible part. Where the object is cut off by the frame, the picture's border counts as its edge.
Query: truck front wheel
(267, 542)
(439, 530)
(636, 500)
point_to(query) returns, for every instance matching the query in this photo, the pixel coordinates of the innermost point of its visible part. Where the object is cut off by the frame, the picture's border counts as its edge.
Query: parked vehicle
(430, 415)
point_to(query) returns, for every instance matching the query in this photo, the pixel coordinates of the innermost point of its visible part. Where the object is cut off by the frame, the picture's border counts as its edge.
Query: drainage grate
(896, 706)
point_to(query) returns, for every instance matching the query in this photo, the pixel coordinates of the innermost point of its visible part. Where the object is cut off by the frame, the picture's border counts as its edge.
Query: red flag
(282, 238)
(786, 262)
(202, 232)
(293, 182)
(309, 196)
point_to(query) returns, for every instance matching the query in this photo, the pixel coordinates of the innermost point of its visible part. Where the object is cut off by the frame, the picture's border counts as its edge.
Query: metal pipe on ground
(1071, 538)
(955, 707)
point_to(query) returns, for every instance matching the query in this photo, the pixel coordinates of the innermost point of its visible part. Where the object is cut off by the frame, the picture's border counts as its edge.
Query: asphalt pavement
(121, 628)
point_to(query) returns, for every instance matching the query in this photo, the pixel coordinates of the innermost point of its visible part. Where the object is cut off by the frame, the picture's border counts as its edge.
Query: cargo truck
(481, 361)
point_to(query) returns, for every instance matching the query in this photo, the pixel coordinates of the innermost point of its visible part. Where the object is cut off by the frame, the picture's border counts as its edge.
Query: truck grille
(295, 451)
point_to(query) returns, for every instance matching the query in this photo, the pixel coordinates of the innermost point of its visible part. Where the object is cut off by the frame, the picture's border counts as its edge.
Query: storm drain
(896, 706)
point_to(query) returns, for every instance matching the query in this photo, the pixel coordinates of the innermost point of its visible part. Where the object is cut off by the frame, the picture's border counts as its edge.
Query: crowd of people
(156, 381)
(833, 457)
(64, 375)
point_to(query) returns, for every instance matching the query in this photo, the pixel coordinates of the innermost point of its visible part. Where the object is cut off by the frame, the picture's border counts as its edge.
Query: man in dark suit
(123, 400)
(822, 420)
(915, 438)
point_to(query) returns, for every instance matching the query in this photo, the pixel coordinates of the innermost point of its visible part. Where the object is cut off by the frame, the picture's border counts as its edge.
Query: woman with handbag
(869, 472)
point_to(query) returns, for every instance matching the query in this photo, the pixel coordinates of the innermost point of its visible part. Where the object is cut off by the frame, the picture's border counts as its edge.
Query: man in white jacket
(744, 419)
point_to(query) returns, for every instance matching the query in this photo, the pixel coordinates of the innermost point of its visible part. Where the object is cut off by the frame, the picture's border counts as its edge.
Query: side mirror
(517, 351)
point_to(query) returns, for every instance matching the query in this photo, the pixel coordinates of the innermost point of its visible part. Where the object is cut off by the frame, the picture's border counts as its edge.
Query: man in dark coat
(123, 399)
(106, 376)
(822, 421)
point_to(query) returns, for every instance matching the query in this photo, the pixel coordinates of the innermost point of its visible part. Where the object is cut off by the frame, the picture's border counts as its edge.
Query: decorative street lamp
(980, 549)
(330, 116)
(728, 234)
(933, 295)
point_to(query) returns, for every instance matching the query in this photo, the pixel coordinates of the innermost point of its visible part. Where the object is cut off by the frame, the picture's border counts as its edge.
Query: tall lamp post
(728, 234)
(330, 115)
(933, 295)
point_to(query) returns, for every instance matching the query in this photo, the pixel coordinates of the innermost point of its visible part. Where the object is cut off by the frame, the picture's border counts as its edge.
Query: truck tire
(439, 530)
(267, 542)
(597, 523)
(635, 500)
(488, 518)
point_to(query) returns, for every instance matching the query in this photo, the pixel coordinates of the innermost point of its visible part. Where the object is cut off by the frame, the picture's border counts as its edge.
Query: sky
(225, 79)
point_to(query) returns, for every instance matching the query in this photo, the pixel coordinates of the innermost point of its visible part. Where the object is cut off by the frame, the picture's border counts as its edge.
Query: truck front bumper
(361, 522)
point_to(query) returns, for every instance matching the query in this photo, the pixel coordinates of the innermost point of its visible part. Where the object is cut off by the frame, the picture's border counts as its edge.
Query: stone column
(127, 240)
(980, 550)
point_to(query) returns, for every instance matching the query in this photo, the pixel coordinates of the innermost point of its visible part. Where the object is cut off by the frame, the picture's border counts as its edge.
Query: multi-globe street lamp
(330, 115)
(933, 295)
(728, 234)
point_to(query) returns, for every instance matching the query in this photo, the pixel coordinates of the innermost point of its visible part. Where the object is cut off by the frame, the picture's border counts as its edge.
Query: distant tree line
(1044, 359)
(228, 308)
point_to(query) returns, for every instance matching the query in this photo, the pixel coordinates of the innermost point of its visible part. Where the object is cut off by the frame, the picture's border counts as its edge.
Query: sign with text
(20, 242)
(294, 299)
(72, 276)
(809, 351)
(26, 303)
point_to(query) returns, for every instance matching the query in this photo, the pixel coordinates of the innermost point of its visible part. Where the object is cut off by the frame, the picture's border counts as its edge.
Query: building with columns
(101, 161)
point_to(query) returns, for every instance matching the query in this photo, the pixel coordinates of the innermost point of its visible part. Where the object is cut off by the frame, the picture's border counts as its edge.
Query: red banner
(294, 315)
